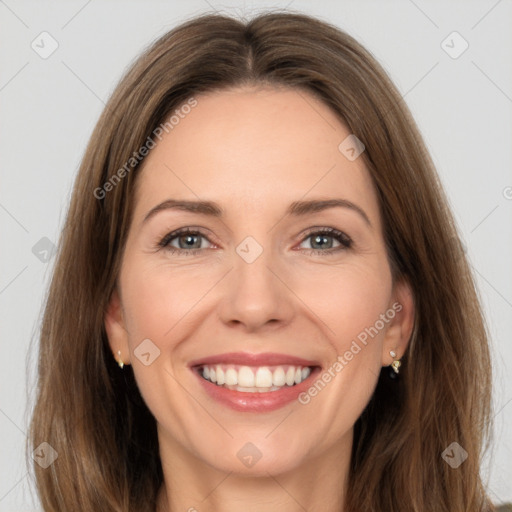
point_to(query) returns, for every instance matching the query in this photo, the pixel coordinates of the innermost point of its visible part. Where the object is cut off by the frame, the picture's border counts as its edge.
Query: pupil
(189, 240)
(319, 238)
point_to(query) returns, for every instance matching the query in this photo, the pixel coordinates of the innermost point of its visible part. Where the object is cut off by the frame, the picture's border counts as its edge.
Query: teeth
(253, 389)
(246, 377)
(263, 378)
(231, 377)
(290, 376)
(255, 380)
(278, 377)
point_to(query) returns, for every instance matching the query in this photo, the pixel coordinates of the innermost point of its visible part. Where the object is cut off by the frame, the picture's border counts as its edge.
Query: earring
(395, 365)
(120, 361)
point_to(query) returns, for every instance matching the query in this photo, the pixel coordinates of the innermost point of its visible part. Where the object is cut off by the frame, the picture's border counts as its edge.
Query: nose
(255, 295)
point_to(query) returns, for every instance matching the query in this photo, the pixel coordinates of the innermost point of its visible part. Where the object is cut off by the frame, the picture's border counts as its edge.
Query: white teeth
(255, 380)
(278, 377)
(290, 376)
(246, 377)
(231, 377)
(254, 389)
(263, 377)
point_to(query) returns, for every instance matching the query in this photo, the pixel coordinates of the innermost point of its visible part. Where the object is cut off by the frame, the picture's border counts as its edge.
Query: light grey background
(49, 106)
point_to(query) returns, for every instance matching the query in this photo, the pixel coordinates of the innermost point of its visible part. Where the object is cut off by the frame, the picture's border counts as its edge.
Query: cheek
(356, 312)
(350, 301)
(158, 298)
(346, 300)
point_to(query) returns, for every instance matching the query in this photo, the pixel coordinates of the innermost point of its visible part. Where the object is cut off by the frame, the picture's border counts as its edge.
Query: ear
(401, 311)
(116, 330)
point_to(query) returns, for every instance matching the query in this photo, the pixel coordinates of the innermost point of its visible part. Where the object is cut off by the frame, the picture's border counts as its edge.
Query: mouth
(245, 383)
(247, 379)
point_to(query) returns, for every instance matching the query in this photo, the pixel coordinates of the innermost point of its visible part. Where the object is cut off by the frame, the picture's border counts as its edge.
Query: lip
(248, 359)
(254, 402)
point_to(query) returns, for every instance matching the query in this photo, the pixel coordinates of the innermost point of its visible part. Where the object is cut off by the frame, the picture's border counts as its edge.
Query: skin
(254, 151)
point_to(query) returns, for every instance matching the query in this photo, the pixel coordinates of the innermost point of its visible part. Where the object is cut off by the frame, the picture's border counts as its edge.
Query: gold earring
(396, 363)
(120, 361)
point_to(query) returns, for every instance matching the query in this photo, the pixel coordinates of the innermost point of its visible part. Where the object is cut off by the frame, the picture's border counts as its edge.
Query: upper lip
(248, 359)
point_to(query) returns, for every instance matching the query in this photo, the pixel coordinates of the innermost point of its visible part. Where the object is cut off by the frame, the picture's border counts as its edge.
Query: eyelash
(342, 238)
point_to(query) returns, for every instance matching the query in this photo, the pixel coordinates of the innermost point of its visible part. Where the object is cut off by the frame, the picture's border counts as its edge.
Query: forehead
(254, 148)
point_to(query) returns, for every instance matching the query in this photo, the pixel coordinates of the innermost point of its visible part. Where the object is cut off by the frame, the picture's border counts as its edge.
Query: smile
(250, 379)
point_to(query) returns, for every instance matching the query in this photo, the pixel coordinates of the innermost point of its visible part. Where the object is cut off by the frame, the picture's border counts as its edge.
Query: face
(284, 297)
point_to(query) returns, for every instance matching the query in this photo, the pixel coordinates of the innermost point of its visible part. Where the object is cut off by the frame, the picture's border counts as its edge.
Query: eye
(321, 243)
(189, 241)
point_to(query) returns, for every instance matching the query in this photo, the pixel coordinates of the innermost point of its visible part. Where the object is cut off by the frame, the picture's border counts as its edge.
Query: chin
(254, 459)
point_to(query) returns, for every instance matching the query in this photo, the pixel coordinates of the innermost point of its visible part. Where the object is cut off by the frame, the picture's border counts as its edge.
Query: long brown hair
(92, 414)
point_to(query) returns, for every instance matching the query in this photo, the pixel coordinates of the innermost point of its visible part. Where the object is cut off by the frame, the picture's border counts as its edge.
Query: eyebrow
(297, 208)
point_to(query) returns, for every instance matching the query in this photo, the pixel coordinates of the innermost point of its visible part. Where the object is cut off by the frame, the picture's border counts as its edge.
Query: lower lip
(256, 402)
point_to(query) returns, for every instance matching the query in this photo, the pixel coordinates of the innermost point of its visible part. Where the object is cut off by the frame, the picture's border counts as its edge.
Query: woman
(199, 353)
